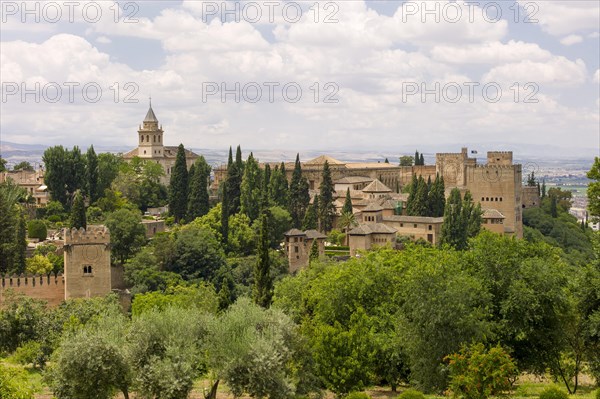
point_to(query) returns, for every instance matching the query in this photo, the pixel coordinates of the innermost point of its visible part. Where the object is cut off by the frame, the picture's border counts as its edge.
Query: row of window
(491, 199)
(155, 138)
(415, 225)
(493, 221)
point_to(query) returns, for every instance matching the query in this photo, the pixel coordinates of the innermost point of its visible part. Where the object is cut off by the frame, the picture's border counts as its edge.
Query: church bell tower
(150, 137)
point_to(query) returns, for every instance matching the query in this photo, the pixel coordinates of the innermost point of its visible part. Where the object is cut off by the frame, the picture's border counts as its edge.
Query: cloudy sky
(318, 75)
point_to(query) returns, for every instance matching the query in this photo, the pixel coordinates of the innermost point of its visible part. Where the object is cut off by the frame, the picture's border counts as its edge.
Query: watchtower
(87, 262)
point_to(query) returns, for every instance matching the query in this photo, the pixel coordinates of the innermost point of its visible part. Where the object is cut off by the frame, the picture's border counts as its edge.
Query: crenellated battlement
(34, 280)
(91, 235)
(495, 166)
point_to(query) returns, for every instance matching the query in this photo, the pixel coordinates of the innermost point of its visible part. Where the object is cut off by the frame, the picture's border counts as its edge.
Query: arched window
(142, 138)
(87, 270)
(148, 138)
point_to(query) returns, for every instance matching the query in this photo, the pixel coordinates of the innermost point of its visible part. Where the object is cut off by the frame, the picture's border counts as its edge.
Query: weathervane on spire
(150, 100)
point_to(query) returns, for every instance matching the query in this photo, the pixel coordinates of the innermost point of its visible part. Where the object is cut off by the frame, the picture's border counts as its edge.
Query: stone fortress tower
(87, 262)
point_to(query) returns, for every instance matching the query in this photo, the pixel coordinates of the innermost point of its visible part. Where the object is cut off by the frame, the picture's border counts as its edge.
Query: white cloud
(370, 56)
(490, 53)
(571, 39)
(594, 35)
(597, 76)
(560, 18)
(558, 71)
(103, 40)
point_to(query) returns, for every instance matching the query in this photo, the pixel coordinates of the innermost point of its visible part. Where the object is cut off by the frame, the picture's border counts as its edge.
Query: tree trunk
(213, 391)
(125, 393)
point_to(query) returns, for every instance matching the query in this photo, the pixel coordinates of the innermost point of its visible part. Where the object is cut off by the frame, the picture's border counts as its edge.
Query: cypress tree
(235, 172)
(454, 228)
(278, 187)
(20, 245)
(543, 188)
(386, 161)
(326, 206)
(419, 204)
(411, 195)
(251, 189)
(225, 215)
(92, 175)
(417, 159)
(178, 188)
(299, 196)
(437, 198)
(314, 252)
(553, 208)
(263, 282)
(471, 215)
(421, 160)
(78, 218)
(311, 218)
(347, 203)
(198, 200)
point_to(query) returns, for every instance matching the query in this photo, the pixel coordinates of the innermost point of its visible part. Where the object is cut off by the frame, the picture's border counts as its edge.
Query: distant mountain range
(526, 154)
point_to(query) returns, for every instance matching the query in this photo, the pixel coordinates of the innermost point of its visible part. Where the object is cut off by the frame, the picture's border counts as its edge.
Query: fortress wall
(48, 288)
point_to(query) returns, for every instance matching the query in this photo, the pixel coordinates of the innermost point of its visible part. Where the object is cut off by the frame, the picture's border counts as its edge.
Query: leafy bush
(554, 393)
(411, 394)
(39, 264)
(28, 353)
(598, 393)
(13, 383)
(477, 373)
(37, 229)
(358, 395)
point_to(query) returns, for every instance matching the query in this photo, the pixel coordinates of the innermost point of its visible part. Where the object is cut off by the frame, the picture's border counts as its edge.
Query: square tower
(87, 262)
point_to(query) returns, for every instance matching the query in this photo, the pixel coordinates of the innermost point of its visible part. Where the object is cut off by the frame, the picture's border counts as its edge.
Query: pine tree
(421, 160)
(263, 282)
(299, 196)
(278, 187)
(454, 228)
(92, 175)
(347, 203)
(20, 245)
(251, 189)
(198, 200)
(326, 206)
(178, 188)
(311, 218)
(314, 252)
(78, 218)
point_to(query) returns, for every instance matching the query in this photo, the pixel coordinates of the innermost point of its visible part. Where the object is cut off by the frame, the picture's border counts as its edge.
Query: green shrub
(37, 229)
(411, 394)
(554, 393)
(598, 393)
(28, 353)
(54, 218)
(14, 384)
(477, 373)
(358, 395)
